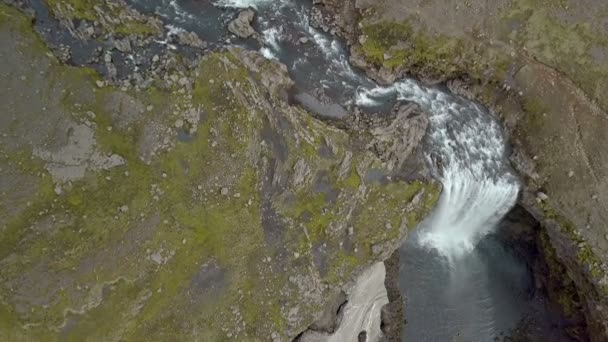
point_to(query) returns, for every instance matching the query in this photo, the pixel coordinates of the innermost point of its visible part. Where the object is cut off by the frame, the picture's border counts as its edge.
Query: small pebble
(224, 191)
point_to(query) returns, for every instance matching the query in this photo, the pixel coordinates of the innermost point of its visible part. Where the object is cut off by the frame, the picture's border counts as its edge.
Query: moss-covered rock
(231, 214)
(113, 16)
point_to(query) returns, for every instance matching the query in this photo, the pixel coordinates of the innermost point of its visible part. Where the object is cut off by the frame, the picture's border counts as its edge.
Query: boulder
(241, 25)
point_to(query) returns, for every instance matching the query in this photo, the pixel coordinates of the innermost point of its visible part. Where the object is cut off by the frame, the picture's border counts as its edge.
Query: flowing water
(460, 282)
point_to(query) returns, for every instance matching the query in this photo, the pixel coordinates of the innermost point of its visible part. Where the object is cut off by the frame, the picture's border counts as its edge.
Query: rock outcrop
(241, 25)
(204, 207)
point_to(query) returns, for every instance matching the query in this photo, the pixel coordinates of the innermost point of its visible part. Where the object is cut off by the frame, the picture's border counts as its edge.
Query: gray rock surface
(241, 25)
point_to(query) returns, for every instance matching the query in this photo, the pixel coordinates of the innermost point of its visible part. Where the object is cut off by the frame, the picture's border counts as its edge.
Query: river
(461, 282)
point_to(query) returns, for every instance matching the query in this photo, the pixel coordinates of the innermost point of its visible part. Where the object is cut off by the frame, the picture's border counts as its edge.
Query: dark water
(202, 17)
(478, 297)
(325, 82)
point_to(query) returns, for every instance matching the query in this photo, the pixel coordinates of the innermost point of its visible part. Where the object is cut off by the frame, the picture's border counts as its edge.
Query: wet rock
(330, 317)
(335, 16)
(85, 31)
(324, 109)
(122, 45)
(190, 39)
(275, 76)
(396, 142)
(64, 53)
(392, 315)
(357, 59)
(241, 26)
(301, 173)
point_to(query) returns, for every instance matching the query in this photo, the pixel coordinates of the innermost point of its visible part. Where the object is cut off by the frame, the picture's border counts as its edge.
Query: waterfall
(467, 151)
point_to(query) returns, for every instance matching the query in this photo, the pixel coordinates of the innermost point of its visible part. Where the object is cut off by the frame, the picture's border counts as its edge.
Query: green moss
(565, 47)
(536, 113)
(16, 227)
(100, 262)
(137, 28)
(382, 208)
(85, 10)
(78, 9)
(315, 211)
(396, 46)
(560, 289)
(585, 255)
(380, 37)
(353, 181)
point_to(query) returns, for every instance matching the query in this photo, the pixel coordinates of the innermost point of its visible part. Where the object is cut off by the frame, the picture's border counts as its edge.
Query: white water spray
(468, 151)
(245, 3)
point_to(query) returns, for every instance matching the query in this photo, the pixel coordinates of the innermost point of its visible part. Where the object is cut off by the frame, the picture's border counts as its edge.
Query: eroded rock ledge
(203, 210)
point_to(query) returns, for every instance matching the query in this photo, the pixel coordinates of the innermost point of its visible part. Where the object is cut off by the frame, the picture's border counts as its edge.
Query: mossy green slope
(241, 230)
(113, 15)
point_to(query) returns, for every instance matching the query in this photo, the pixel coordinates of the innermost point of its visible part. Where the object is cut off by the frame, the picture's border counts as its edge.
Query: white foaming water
(179, 12)
(271, 38)
(244, 3)
(468, 151)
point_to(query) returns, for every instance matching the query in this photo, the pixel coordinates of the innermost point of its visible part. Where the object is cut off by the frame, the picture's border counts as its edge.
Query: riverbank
(537, 66)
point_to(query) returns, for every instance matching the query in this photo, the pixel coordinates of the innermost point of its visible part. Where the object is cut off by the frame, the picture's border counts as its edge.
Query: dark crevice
(556, 313)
